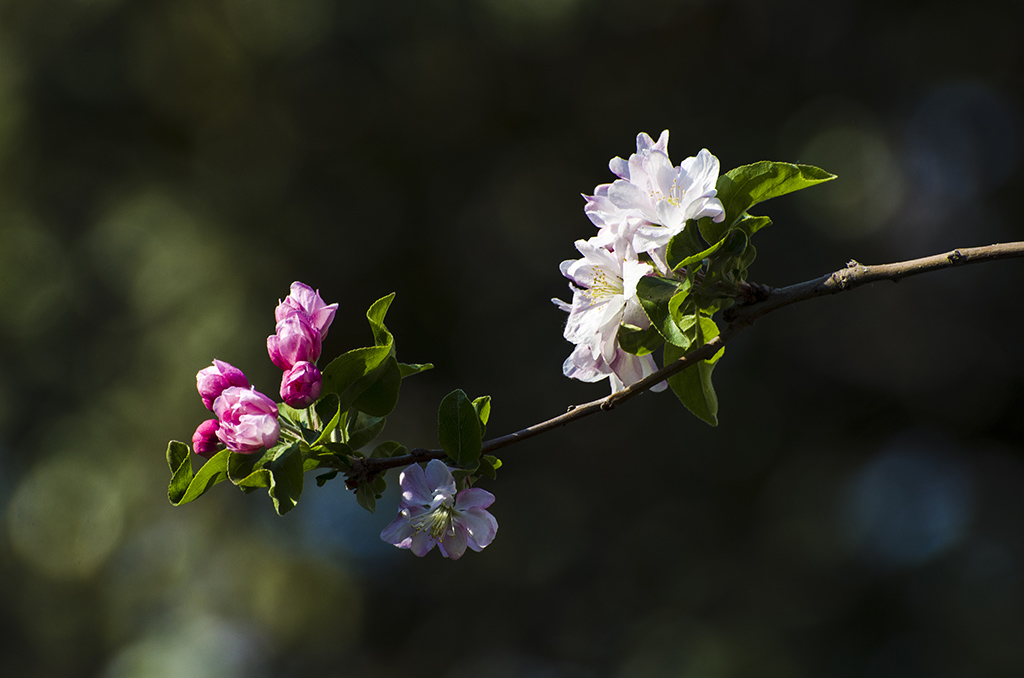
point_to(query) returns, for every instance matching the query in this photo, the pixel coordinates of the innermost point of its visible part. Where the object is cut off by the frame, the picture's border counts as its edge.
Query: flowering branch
(671, 253)
(760, 301)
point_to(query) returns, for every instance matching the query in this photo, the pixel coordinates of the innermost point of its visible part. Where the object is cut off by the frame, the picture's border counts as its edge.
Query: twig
(737, 318)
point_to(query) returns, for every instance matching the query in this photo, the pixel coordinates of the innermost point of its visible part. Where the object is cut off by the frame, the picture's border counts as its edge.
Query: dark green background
(168, 168)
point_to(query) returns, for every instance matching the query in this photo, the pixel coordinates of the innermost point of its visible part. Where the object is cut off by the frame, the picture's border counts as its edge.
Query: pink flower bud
(300, 386)
(212, 381)
(248, 419)
(296, 341)
(205, 442)
(306, 303)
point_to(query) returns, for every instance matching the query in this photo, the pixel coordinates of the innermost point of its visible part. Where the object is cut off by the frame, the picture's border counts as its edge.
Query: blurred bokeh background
(169, 167)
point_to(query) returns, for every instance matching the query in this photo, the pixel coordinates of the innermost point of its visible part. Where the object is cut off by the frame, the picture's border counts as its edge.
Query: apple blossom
(248, 419)
(657, 196)
(211, 381)
(432, 513)
(205, 442)
(295, 341)
(604, 296)
(301, 385)
(305, 302)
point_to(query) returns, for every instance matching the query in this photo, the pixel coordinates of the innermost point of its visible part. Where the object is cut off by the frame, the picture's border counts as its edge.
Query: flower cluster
(636, 215)
(302, 323)
(433, 514)
(246, 419)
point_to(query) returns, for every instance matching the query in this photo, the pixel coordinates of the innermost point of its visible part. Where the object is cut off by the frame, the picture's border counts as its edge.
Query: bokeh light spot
(908, 505)
(65, 519)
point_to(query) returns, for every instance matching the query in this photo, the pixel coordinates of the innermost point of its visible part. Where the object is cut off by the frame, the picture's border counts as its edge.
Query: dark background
(168, 168)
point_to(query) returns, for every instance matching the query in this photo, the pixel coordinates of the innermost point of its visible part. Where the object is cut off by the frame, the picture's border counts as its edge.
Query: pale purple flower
(432, 514)
(296, 341)
(205, 442)
(248, 419)
(306, 302)
(301, 385)
(656, 197)
(211, 381)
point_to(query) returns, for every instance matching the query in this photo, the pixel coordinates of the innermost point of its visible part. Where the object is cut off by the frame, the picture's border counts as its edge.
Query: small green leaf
(409, 369)
(458, 428)
(655, 294)
(684, 244)
(375, 314)
(482, 405)
(185, 486)
(489, 465)
(634, 340)
(327, 409)
(741, 188)
(322, 479)
(693, 385)
(353, 372)
(286, 480)
(388, 449)
(380, 398)
(363, 428)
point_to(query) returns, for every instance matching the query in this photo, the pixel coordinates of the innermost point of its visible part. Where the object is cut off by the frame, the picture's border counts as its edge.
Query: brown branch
(737, 318)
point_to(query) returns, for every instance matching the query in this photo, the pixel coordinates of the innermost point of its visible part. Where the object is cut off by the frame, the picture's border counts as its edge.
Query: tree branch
(762, 301)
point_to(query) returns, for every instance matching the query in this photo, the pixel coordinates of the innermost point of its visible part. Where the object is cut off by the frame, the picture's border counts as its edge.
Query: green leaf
(368, 493)
(489, 465)
(693, 385)
(380, 398)
(363, 428)
(409, 369)
(286, 480)
(655, 294)
(639, 342)
(327, 409)
(352, 373)
(741, 188)
(684, 244)
(375, 314)
(482, 405)
(699, 256)
(458, 428)
(388, 449)
(184, 486)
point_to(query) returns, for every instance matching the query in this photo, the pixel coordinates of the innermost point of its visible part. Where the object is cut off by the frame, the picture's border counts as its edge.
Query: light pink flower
(248, 420)
(301, 385)
(205, 442)
(432, 514)
(306, 302)
(212, 381)
(296, 341)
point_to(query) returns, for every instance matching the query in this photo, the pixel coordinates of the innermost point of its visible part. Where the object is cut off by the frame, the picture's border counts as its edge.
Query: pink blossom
(432, 514)
(205, 442)
(306, 303)
(248, 419)
(296, 341)
(300, 386)
(212, 381)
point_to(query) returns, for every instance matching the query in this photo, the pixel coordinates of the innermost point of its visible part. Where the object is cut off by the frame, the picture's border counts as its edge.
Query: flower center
(438, 523)
(604, 286)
